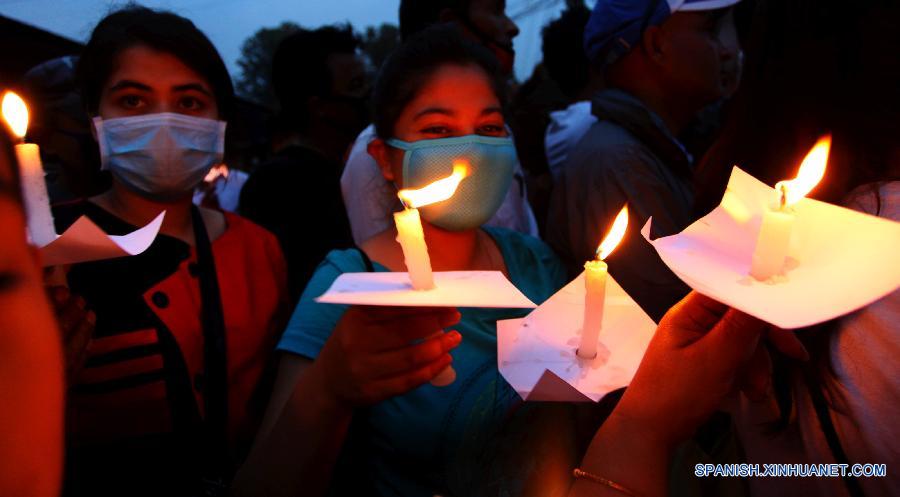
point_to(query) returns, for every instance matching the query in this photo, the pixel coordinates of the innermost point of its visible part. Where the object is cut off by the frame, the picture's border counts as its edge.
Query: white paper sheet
(537, 357)
(452, 289)
(840, 260)
(84, 241)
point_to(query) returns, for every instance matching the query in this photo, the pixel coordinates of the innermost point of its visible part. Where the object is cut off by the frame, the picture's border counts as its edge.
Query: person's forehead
(153, 68)
(455, 87)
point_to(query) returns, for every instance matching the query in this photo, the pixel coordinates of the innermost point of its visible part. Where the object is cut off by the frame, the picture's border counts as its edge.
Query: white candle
(774, 239)
(34, 193)
(31, 172)
(594, 300)
(415, 252)
(773, 243)
(595, 288)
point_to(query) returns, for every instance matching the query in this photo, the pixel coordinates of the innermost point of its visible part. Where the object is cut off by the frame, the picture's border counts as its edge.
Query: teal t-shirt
(434, 440)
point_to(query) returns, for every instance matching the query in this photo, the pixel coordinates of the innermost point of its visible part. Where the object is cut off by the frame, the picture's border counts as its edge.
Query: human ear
(378, 149)
(653, 43)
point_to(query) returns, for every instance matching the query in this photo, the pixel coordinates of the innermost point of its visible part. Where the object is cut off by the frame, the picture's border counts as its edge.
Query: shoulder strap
(834, 443)
(217, 461)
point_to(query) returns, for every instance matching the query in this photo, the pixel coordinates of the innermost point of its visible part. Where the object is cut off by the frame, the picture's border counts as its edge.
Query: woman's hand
(701, 352)
(376, 353)
(76, 324)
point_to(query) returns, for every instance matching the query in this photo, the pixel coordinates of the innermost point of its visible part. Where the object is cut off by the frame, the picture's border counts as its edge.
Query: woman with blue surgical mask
(168, 395)
(438, 98)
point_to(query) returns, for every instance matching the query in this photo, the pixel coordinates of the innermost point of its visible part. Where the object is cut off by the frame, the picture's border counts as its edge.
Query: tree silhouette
(257, 51)
(379, 42)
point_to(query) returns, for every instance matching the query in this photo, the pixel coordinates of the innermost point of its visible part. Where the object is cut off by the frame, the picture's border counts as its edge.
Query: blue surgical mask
(160, 156)
(491, 162)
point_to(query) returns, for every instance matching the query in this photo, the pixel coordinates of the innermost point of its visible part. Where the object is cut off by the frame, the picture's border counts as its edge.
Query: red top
(136, 408)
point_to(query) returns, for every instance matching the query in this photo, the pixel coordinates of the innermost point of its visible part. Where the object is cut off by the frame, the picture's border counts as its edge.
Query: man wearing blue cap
(664, 60)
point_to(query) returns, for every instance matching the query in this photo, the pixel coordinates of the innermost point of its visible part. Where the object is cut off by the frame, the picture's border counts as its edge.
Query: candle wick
(783, 197)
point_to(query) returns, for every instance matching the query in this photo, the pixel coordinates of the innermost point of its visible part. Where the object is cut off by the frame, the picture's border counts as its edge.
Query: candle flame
(437, 191)
(615, 235)
(812, 169)
(15, 113)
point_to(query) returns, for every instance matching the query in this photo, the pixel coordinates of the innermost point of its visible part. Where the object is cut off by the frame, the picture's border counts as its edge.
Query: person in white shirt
(566, 128)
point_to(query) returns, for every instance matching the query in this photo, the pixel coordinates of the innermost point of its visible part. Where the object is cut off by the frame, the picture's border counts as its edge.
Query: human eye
(437, 130)
(191, 104)
(491, 130)
(132, 102)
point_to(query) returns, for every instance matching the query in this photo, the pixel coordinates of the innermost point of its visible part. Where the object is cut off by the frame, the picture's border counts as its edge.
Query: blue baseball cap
(616, 25)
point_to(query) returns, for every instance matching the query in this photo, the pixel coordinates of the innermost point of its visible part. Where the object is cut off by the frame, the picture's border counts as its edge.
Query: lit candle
(412, 238)
(595, 288)
(774, 238)
(409, 224)
(34, 188)
(415, 252)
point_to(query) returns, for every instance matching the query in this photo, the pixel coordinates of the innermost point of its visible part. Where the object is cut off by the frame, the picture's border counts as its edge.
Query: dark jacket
(628, 156)
(297, 196)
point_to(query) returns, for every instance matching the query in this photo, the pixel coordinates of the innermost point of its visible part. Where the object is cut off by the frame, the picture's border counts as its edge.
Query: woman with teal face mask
(166, 399)
(438, 98)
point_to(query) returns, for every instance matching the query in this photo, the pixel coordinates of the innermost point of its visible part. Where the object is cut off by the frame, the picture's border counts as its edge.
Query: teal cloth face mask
(491, 161)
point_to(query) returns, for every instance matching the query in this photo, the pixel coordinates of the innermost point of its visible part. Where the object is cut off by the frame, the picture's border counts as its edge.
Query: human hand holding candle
(34, 189)
(595, 287)
(777, 224)
(412, 238)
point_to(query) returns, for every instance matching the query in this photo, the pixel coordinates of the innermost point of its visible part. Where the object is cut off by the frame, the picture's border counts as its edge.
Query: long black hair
(410, 67)
(160, 30)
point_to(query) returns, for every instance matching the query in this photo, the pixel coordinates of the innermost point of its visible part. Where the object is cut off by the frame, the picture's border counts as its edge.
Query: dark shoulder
(606, 141)
(66, 213)
(607, 150)
(246, 228)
